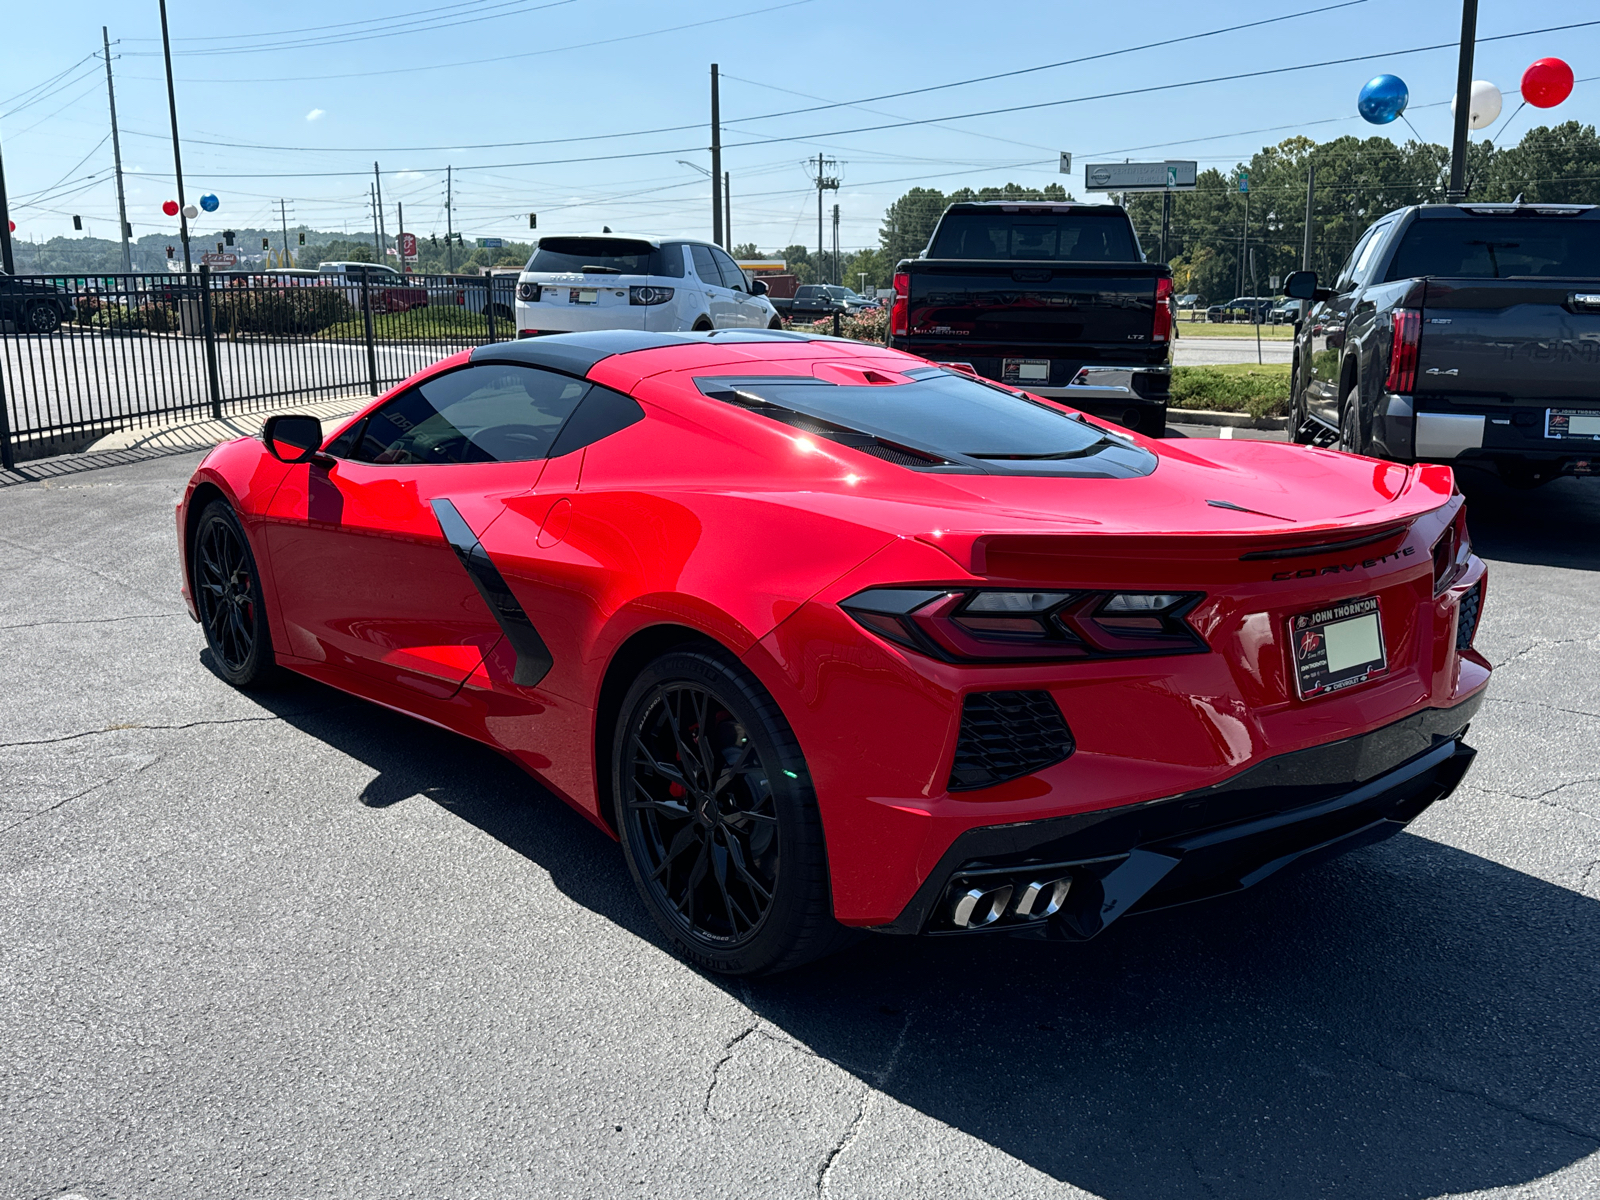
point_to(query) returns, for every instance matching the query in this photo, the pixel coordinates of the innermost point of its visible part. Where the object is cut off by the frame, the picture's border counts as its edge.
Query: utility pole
(716, 160)
(400, 234)
(6, 261)
(283, 216)
(449, 221)
(824, 182)
(1166, 220)
(838, 265)
(1311, 191)
(383, 236)
(727, 211)
(116, 157)
(1244, 242)
(1458, 142)
(372, 198)
(177, 157)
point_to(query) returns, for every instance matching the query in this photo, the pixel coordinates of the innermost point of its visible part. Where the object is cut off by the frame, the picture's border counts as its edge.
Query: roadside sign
(1066, 163)
(490, 243)
(1244, 181)
(1274, 282)
(408, 245)
(1171, 175)
(220, 260)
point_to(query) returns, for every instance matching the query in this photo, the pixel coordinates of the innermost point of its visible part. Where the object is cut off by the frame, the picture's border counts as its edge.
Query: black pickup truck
(1053, 298)
(1465, 333)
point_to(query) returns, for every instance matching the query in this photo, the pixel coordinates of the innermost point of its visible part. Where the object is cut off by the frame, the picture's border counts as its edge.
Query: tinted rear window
(946, 420)
(1049, 237)
(1499, 248)
(606, 256)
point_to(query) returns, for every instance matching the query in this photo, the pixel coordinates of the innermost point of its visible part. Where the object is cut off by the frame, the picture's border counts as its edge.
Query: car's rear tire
(1351, 439)
(701, 325)
(227, 593)
(775, 323)
(1299, 416)
(43, 318)
(718, 819)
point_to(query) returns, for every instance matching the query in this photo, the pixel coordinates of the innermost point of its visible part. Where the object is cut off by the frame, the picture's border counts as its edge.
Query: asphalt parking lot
(291, 944)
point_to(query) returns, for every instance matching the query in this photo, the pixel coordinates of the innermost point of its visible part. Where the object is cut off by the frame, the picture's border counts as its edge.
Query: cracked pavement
(293, 944)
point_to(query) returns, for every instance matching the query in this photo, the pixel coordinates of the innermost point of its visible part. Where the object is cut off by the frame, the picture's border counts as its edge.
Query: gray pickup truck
(1464, 333)
(1055, 298)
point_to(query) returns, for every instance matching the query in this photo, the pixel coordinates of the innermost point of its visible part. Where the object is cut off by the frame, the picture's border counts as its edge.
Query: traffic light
(434, 238)
(77, 223)
(266, 243)
(302, 237)
(169, 251)
(127, 230)
(533, 220)
(227, 236)
(219, 247)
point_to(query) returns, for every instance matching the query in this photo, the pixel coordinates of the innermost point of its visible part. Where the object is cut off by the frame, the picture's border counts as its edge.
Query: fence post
(372, 344)
(8, 458)
(208, 327)
(488, 303)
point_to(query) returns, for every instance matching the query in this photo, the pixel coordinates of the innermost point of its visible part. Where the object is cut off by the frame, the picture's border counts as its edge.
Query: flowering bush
(871, 325)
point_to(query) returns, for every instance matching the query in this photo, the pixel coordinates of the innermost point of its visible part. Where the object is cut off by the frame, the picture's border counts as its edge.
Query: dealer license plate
(1573, 424)
(1025, 370)
(583, 296)
(1337, 647)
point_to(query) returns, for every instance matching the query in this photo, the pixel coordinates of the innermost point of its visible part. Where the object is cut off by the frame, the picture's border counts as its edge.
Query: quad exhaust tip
(1030, 900)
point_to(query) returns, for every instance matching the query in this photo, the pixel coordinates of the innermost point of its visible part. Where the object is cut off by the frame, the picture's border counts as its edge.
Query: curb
(1201, 416)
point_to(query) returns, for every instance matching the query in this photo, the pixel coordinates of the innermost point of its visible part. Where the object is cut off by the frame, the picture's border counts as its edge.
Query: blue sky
(297, 99)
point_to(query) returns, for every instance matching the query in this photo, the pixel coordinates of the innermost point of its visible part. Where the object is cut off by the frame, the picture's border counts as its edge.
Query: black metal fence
(81, 356)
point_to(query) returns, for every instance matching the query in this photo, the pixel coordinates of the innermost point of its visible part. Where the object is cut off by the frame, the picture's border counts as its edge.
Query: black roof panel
(577, 353)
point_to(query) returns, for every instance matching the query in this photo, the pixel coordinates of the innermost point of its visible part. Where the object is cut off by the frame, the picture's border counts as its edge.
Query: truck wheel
(1351, 440)
(43, 318)
(1299, 418)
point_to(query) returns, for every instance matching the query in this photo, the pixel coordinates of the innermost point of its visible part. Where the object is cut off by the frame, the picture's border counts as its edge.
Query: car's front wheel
(43, 318)
(227, 592)
(718, 820)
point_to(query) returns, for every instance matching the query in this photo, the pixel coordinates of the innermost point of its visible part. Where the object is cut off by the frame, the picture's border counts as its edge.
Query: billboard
(1172, 175)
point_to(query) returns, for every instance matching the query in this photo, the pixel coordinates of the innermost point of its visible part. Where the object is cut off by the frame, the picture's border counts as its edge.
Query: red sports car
(832, 638)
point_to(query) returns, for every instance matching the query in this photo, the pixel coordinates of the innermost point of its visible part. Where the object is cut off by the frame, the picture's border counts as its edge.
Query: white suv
(611, 281)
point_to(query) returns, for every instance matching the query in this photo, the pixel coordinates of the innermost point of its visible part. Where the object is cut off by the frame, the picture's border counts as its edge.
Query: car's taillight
(528, 292)
(648, 294)
(1163, 325)
(900, 310)
(967, 624)
(1403, 352)
(1451, 552)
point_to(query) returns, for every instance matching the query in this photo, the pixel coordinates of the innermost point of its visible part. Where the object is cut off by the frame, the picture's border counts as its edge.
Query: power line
(222, 37)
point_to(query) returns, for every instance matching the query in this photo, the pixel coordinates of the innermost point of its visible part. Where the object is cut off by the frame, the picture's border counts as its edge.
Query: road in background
(294, 943)
(1206, 351)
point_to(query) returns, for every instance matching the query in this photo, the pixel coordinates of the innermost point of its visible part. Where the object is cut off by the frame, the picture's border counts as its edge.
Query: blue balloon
(1383, 99)
(209, 202)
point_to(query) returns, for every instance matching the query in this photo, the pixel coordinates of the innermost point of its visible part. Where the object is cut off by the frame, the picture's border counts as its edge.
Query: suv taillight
(1163, 325)
(1403, 351)
(900, 310)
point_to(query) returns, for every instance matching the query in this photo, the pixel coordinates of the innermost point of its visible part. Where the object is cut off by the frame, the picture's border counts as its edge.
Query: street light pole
(1458, 141)
(177, 155)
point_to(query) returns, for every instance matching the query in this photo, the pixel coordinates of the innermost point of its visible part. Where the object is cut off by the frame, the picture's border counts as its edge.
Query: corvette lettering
(1365, 564)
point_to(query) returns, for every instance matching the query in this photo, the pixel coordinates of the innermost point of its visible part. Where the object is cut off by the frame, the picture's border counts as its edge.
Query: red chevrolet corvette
(830, 637)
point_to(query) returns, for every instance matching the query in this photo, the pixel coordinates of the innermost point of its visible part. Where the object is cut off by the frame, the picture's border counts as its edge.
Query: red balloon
(1547, 83)
(13, 225)
(170, 208)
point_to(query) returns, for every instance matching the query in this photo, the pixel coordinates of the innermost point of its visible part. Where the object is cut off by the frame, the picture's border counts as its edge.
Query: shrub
(1261, 391)
(279, 310)
(869, 326)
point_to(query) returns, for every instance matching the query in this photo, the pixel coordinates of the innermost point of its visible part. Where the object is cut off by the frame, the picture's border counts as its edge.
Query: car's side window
(1347, 273)
(1365, 260)
(705, 266)
(732, 275)
(495, 412)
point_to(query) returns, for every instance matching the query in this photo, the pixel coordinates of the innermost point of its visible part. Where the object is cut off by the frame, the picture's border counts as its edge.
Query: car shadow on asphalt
(1557, 525)
(1407, 1021)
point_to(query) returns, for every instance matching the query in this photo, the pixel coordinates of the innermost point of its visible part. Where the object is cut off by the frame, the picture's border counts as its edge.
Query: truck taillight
(1163, 325)
(900, 310)
(1403, 352)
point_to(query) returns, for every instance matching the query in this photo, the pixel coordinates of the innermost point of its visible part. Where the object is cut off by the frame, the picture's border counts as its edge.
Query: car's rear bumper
(1305, 805)
(1416, 428)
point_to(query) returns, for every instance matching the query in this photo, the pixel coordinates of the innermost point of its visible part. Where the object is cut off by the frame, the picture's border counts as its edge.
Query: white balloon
(1486, 103)
(192, 212)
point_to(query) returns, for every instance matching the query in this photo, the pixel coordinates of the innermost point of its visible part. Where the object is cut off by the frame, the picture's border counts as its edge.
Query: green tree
(1550, 165)
(746, 250)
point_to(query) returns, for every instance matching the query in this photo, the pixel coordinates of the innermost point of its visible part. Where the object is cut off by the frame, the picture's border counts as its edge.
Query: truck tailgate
(1510, 340)
(1022, 303)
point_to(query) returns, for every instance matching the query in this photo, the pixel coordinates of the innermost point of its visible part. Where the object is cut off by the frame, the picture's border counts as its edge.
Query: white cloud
(314, 115)
(409, 176)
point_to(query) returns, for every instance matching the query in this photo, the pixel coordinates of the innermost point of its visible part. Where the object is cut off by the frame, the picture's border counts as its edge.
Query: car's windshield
(1076, 236)
(605, 256)
(1499, 248)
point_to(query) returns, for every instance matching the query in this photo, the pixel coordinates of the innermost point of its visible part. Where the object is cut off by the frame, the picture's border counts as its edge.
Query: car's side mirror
(1300, 285)
(294, 438)
(758, 287)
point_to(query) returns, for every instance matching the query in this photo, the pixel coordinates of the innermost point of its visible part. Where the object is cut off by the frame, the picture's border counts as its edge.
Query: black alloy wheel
(227, 592)
(1350, 439)
(718, 820)
(43, 318)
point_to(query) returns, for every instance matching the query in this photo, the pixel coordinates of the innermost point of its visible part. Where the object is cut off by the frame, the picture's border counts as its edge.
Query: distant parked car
(468, 293)
(1190, 300)
(1287, 311)
(388, 290)
(616, 281)
(814, 300)
(1242, 308)
(32, 306)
